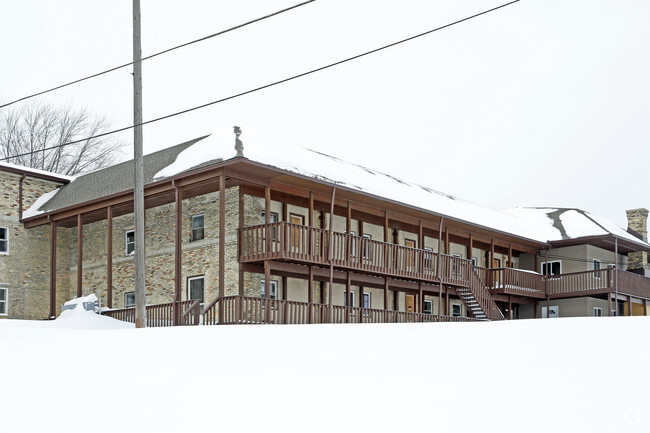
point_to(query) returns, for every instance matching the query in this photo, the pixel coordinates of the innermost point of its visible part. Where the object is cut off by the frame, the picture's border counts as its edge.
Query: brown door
(496, 263)
(409, 254)
(410, 303)
(295, 231)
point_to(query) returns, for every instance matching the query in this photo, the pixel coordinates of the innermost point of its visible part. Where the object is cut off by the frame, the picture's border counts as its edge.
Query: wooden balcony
(309, 245)
(517, 282)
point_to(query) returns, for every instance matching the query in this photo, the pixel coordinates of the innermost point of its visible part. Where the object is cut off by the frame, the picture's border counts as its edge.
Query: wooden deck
(310, 245)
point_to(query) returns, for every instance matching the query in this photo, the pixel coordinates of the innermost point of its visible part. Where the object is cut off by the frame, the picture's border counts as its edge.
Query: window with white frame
(129, 299)
(273, 219)
(598, 312)
(428, 258)
(367, 246)
(129, 242)
(366, 300)
(352, 242)
(456, 310)
(474, 261)
(274, 289)
(552, 268)
(428, 306)
(454, 267)
(4, 240)
(347, 296)
(195, 288)
(197, 227)
(4, 301)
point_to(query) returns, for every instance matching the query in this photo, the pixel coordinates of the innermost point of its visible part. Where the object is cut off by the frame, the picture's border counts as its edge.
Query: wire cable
(157, 54)
(266, 86)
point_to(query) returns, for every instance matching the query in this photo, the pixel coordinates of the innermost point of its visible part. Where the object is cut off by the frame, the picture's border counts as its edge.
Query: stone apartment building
(311, 236)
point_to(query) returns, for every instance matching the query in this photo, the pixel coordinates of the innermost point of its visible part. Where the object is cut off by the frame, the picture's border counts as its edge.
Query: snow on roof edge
(37, 171)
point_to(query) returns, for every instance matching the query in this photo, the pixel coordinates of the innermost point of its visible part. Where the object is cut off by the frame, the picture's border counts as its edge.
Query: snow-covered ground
(86, 373)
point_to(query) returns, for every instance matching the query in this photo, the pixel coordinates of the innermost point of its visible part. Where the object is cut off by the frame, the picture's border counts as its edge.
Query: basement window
(366, 300)
(197, 227)
(456, 310)
(428, 307)
(346, 296)
(274, 292)
(129, 299)
(4, 240)
(129, 242)
(195, 288)
(4, 301)
(598, 312)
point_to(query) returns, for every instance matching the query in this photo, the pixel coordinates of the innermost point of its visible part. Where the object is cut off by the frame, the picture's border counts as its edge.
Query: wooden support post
(447, 246)
(491, 265)
(267, 291)
(241, 226)
(109, 257)
(447, 301)
(438, 268)
(310, 294)
(361, 304)
(609, 304)
(645, 307)
(510, 256)
(420, 244)
(386, 306)
(348, 219)
(178, 253)
(330, 252)
(629, 303)
(52, 269)
(470, 247)
(267, 217)
(509, 307)
(420, 308)
(348, 295)
(310, 217)
(222, 243)
(284, 288)
(80, 254)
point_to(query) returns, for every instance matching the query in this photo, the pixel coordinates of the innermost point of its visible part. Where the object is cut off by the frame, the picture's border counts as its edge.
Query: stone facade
(638, 226)
(25, 268)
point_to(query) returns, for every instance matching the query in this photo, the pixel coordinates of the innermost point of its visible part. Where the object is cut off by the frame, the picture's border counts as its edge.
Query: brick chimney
(637, 225)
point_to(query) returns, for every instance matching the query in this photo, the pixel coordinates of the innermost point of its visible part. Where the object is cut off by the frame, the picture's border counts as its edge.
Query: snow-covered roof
(537, 224)
(35, 172)
(571, 223)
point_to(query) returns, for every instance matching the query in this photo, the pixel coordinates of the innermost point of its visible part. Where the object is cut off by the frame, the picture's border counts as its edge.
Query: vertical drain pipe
(329, 253)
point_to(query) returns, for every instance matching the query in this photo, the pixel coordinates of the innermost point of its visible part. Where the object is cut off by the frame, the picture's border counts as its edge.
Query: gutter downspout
(616, 277)
(438, 268)
(329, 253)
(548, 307)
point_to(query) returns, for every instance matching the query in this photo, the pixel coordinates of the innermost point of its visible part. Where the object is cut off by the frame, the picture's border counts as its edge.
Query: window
(197, 227)
(129, 242)
(195, 288)
(456, 310)
(366, 300)
(454, 268)
(346, 296)
(598, 312)
(4, 240)
(428, 307)
(367, 246)
(552, 268)
(4, 301)
(428, 259)
(273, 219)
(474, 261)
(352, 242)
(274, 289)
(129, 299)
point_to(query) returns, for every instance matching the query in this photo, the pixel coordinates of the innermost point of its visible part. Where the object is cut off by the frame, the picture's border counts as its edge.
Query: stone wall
(637, 224)
(25, 269)
(200, 258)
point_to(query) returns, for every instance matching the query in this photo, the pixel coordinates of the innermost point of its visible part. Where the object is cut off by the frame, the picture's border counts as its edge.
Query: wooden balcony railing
(511, 281)
(252, 310)
(159, 315)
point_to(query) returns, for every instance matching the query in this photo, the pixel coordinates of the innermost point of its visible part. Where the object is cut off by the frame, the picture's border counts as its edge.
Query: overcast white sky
(542, 103)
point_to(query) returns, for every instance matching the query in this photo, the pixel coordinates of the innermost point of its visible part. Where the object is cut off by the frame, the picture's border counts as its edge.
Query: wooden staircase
(477, 299)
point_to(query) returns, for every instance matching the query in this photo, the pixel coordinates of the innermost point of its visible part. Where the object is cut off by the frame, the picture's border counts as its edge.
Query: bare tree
(31, 137)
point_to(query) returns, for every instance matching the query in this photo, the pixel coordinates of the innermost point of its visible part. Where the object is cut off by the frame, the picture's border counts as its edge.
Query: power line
(266, 86)
(157, 54)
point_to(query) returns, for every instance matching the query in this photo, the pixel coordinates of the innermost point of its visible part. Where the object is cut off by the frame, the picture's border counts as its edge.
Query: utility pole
(138, 190)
